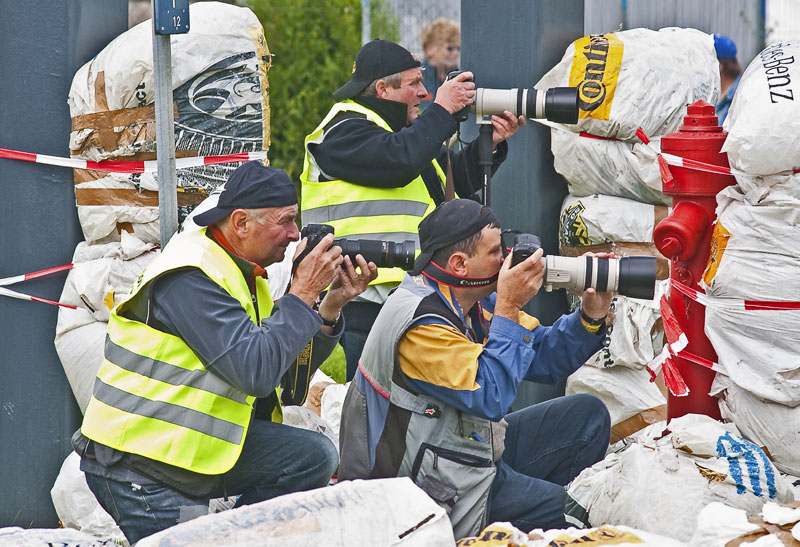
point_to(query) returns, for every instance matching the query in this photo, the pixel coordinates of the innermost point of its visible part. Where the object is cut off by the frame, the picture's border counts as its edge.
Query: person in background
(375, 166)
(729, 73)
(441, 42)
(198, 359)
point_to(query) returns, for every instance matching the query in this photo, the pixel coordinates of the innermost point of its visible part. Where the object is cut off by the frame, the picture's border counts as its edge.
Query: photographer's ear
(238, 221)
(380, 89)
(457, 263)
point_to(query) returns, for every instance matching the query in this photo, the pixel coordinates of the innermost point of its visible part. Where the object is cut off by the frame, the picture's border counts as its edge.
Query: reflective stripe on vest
(362, 212)
(152, 395)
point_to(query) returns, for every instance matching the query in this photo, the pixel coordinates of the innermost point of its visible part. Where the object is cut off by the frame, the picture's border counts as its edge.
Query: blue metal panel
(514, 47)
(171, 16)
(42, 44)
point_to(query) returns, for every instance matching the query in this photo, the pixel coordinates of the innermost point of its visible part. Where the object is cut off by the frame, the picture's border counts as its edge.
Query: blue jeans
(276, 459)
(547, 445)
(358, 320)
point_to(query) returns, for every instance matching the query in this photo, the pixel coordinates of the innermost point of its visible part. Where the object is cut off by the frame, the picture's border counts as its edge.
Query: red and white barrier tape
(32, 275)
(112, 166)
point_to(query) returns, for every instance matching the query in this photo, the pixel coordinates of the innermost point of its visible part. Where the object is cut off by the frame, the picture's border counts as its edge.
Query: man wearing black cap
(374, 168)
(440, 370)
(173, 419)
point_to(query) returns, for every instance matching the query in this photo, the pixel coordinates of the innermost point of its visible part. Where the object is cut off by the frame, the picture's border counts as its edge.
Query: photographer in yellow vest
(187, 403)
(375, 167)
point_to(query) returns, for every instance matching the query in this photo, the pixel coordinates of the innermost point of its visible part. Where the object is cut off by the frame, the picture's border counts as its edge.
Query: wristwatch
(330, 322)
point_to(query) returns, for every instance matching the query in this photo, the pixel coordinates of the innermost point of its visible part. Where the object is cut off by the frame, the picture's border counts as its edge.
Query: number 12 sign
(171, 16)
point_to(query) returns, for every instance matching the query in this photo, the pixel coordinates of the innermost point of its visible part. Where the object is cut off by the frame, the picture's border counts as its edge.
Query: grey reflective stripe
(397, 237)
(168, 412)
(369, 208)
(171, 374)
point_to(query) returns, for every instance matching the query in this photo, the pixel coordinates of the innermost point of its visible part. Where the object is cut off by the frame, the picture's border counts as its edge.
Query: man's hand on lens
(505, 126)
(517, 285)
(317, 270)
(457, 93)
(595, 304)
(348, 283)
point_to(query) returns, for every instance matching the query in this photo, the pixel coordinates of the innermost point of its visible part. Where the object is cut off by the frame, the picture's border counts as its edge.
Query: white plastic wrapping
(718, 524)
(375, 512)
(660, 485)
(763, 122)
(756, 246)
(637, 78)
(503, 534)
(770, 425)
(77, 507)
(101, 277)
(220, 91)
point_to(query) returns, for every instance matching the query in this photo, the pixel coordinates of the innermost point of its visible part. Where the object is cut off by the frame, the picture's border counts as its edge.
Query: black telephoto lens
(561, 105)
(385, 254)
(637, 276)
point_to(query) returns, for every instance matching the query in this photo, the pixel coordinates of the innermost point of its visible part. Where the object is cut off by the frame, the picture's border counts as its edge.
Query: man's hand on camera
(595, 304)
(505, 126)
(457, 93)
(348, 283)
(317, 270)
(517, 285)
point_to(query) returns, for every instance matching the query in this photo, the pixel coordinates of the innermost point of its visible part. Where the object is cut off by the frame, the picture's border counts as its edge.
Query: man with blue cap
(729, 73)
(198, 359)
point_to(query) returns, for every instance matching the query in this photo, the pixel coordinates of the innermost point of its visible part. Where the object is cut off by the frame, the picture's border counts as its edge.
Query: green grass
(335, 365)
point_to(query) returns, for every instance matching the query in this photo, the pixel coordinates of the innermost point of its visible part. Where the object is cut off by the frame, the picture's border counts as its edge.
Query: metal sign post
(169, 17)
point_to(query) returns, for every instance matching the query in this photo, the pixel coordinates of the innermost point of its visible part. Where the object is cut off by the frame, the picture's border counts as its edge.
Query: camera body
(385, 254)
(633, 276)
(557, 104)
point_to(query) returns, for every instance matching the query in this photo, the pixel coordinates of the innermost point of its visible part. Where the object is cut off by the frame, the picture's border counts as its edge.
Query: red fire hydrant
(684, 237)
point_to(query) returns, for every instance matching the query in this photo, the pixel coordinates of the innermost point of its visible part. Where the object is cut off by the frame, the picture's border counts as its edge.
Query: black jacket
(356, 150)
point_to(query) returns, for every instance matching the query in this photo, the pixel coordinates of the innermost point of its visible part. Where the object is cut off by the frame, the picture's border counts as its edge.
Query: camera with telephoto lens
(385, 254)
(557, 104)
(633, 276)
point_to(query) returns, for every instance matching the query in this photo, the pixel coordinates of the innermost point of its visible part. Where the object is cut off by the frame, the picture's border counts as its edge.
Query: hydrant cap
(700, 116)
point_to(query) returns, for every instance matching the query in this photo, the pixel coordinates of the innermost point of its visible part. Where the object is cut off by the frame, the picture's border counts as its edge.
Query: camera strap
(449, 185)
(437, 273)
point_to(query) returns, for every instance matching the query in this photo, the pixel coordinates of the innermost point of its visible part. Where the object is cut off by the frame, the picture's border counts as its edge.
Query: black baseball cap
(449, 223)
(376, 59)
(251, 186)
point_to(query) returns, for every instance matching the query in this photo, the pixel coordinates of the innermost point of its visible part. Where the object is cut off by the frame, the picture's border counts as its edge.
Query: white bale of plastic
(629, 80)
(611, 168)
(770, 425)
(626, 392)
(332, 402)
(221, 105)
(14, 536)
(77, 507)
(101, 277)
(719, 526)
(637, 78)
(660, 484)
(304, 418)
(503, 534)
(374, 512)
(763, 122)
(755, 250)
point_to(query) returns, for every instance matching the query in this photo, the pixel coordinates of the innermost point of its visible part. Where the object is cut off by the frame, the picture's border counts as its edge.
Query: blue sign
(171, 16)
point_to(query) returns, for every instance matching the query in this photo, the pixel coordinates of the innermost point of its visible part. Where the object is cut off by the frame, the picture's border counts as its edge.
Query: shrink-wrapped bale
(754, 257)
(660, 483)
(376, 512)
(503, 534)
(220, 93)
(102, 277)
(773, 426)
(763, 123)
(627, 80)
(775, 526)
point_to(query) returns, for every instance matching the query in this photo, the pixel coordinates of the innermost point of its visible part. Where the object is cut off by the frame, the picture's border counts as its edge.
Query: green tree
(314, 43)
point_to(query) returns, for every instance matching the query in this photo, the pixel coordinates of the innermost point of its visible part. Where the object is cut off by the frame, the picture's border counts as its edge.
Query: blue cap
(725, 47)
(252, 185)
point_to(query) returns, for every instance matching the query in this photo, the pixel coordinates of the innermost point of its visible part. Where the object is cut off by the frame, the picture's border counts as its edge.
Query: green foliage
(314, 43)
(335, 365)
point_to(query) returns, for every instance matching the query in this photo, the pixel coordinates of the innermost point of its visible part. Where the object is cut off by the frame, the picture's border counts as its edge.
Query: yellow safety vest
(152, 395)
(362, 212)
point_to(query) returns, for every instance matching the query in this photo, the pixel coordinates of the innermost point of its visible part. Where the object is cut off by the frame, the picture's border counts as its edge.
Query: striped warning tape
(113, 166)
(32, 275)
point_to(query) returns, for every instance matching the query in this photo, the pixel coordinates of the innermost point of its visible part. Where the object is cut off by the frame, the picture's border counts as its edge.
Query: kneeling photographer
(441, 368)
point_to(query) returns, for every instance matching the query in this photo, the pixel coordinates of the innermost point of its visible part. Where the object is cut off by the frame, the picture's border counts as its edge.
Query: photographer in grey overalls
(441, 368)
